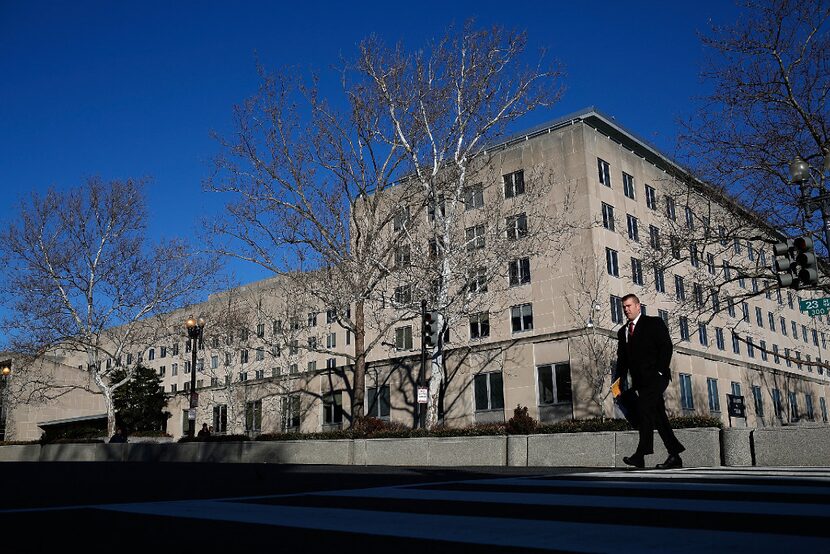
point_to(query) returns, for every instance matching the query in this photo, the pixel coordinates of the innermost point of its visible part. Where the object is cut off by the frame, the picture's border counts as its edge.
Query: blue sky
(133, 89)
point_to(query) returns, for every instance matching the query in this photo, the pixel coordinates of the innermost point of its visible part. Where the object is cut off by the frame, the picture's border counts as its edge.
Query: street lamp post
(5, 371)
(800, 174)
(195, 332)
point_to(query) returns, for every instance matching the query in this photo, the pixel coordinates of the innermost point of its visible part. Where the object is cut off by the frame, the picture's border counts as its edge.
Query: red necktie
(630, 330)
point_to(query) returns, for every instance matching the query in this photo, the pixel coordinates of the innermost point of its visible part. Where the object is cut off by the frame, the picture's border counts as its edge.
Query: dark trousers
(653, 416)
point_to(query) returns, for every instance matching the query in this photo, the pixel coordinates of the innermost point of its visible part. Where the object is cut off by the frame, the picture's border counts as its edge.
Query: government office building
(546, 339)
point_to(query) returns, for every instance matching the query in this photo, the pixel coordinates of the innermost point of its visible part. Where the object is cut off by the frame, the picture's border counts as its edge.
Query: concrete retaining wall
(706, 447)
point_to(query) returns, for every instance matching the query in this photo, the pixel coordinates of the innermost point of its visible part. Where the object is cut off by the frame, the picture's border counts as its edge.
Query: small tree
(140, 403)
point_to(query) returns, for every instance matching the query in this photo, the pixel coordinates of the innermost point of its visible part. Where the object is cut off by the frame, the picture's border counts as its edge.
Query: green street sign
(815, 306)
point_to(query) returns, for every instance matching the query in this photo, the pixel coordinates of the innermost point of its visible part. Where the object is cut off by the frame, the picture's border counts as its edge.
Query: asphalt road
(124, 507)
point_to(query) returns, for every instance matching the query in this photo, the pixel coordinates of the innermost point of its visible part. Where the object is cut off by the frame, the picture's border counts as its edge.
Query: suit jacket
(647, 356)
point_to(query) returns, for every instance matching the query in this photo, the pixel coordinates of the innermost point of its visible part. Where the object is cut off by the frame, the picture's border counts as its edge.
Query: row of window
(687, 399)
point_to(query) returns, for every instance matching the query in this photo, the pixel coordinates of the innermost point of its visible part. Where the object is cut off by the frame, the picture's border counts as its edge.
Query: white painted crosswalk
(687, 510)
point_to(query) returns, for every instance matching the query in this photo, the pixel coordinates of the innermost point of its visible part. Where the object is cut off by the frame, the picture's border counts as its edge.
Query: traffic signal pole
(422, 375)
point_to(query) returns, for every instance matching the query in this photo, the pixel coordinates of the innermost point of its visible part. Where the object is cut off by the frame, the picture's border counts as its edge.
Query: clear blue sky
(133, 89)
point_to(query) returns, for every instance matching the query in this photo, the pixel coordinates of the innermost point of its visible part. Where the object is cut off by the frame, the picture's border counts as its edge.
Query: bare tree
(444, 105)
(326, 193)
(771, 75)
(82, 281)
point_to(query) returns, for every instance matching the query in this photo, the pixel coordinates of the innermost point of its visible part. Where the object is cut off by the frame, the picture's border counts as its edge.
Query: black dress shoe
(635, 460)
(672, 462)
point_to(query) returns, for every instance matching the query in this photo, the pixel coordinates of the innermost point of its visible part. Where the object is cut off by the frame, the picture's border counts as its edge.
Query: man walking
(644, 350)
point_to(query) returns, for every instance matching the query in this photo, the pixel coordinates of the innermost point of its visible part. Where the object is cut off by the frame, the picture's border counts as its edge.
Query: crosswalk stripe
(689, 510)
(577, 537)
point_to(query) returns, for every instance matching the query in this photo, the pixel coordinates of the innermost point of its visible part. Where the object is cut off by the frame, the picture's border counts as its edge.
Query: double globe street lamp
(195, 332)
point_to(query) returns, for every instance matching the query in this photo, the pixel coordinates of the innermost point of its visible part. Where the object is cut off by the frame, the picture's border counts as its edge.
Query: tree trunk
(359, 362)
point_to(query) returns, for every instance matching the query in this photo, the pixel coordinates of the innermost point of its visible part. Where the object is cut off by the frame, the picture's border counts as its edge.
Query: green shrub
(216, 438)
(584, 426)
(686, 422)
(521, 423)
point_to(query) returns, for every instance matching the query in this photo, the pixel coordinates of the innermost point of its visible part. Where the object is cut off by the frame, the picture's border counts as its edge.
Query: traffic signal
(785, 264)
(431, 329)
(805, 259)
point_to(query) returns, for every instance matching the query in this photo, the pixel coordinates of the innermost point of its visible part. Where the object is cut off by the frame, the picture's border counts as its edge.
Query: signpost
(815, 306)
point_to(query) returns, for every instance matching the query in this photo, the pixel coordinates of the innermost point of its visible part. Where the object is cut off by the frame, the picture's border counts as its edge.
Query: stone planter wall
(705, 447)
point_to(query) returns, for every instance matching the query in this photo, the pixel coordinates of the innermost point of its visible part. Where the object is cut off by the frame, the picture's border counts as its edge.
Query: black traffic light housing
(796, 263)
(805, 259)
(431, 328)
(784, 264)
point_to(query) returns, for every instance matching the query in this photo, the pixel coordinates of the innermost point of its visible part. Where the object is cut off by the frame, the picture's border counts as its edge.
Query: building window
(636, 271)
(441, 207)
(403, 338)
(684, 328)
(687, 401)
(473, 197)
(253, 416)
(693, 255)
(701, 333)
(220, 418)
(616, 309)
(651, 198)
(604, 172)
(377, 398)
(489, 392)
(612, 263)
(750, 347)
(163, 352)
(514, 184)
(823, 405)
(719, 338)
(517, 226)
(480, 325)
(401, 219)
(260, 354)
(477, 280)
(759, 317)
(674, 243)
(403, 256)
(521, 317)
(775, 356)
(260, 330)
(243, 356)
(771, 321)
(243, 376)
(679, 289)
(331, 363)
(794, 415)
(808, 406)
(745, 311)
(690, 218)
(654, 237)
(777, 404)
(783, 326)
(333, 408)
(710, 264)
(554, 384)
(403, 295)
(311, 366)
(608, 216)
(474, 237)
(712, 388)
(151, 354)
(331, 340)
(763, 349)
(633, 228)
(519, 271)
(670, 209)
(664, 315)
(659, 279)
(290, 412)
(697, 292)
(736, 344)
(628, 185)
(759, 400)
